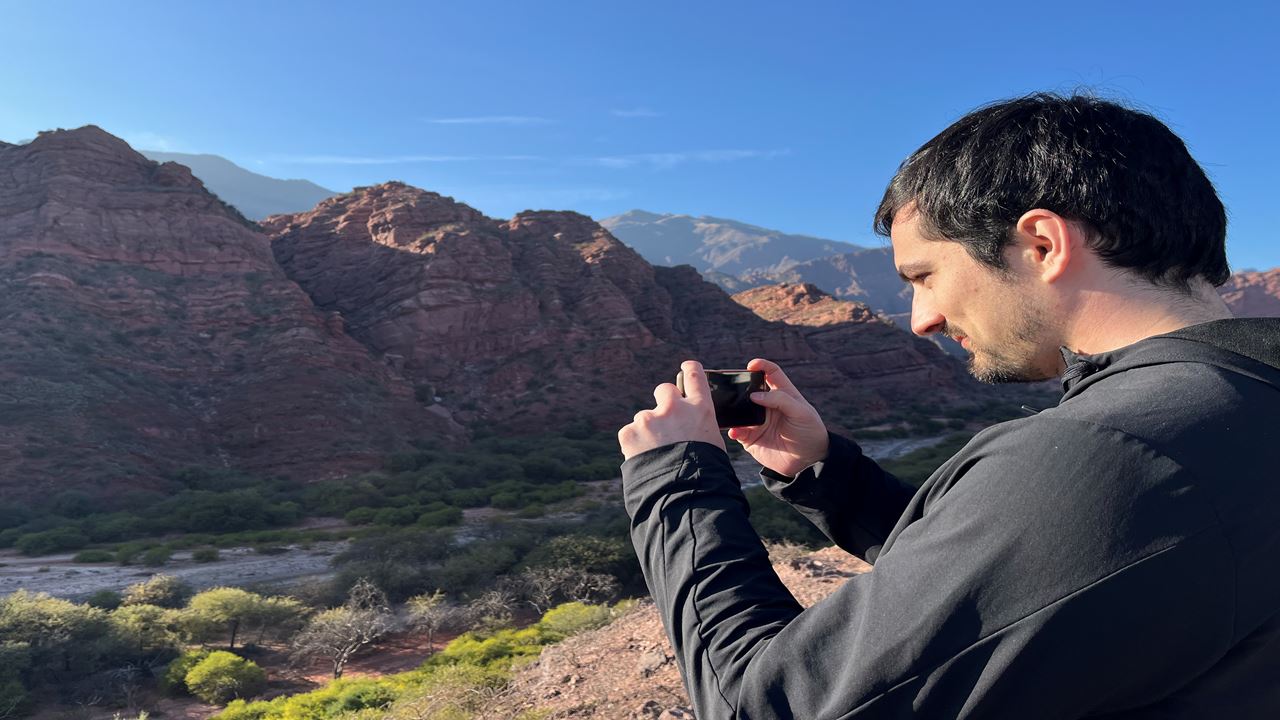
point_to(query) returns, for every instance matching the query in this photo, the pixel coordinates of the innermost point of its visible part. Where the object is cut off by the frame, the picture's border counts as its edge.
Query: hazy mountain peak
(254, 195)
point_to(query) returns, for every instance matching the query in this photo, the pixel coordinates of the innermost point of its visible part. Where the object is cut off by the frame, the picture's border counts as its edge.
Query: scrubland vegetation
(407, 568)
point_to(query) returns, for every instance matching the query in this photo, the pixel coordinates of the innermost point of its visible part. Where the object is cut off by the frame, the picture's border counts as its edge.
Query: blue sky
(791, 116)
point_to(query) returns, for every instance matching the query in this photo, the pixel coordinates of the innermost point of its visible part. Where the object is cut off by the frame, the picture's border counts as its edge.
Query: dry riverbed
(240, 567)
(58, 575)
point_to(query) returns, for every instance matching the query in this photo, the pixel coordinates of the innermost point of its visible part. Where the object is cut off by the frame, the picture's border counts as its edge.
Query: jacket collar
(1217, 342)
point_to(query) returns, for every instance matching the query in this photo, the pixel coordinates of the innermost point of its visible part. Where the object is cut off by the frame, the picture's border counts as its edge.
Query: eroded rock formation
(147, 327)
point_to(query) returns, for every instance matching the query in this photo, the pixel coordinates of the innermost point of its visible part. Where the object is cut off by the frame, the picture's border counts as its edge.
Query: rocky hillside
(1253, 294)
(546, 318)
(148, 328)
(858, 339)
(627, 670)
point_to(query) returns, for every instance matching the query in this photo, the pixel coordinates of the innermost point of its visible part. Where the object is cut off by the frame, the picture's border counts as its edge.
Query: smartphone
(731, 395)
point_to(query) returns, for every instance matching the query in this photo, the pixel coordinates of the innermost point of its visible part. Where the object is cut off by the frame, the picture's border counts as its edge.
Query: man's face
(1000, 319)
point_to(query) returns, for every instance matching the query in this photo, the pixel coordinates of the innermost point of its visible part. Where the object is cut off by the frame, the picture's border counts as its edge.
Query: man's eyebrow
(910, 270)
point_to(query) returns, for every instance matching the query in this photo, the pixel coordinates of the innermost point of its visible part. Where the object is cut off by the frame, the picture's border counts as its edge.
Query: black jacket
(1116, 556)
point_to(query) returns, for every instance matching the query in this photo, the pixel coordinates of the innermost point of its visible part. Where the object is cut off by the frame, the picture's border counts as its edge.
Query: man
(1115, 556)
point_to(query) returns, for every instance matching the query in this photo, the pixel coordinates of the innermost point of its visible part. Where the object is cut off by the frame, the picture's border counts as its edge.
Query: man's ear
(1045, 243)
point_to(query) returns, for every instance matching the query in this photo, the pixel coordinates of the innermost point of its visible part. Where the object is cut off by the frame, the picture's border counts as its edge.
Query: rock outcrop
(148, 328)
(546, 318)
(1253, 293)
(859, 341)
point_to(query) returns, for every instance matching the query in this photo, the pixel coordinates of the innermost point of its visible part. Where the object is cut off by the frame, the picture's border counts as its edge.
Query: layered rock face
(858, 341)
(1253, 294)
(541, 320)
(147, 328)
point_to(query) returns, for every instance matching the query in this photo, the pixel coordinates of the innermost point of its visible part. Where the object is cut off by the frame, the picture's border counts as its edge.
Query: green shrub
(51, 541)
(222, 676)
(572, 618)
(104, 599)
(360, 516)
(164, 591)
(174, 678)
(157, 556)
(94, 556)
(204, 555)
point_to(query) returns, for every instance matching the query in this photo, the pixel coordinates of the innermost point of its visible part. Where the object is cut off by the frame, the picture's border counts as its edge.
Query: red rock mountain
(859, 341)
(1253, 293)
(546, 318)
(147, 327)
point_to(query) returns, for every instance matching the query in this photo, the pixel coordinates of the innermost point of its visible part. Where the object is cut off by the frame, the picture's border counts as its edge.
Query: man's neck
(1111, 318)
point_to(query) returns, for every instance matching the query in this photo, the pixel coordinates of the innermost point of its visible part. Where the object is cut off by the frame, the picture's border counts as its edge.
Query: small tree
(220, 610)
(491, 610)
(164, 591)
(544, 587)
(338, 633)
(146, 627)
(432, 613)
(222, 676)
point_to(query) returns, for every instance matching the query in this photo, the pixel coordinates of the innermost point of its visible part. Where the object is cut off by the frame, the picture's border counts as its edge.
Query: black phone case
(731, 395)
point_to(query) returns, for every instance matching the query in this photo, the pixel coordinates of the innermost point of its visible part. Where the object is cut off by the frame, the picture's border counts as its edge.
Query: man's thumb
(779, 401)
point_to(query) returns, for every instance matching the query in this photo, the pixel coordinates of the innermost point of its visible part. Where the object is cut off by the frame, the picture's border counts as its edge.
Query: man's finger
(695, 382)
(786, 404)
(664, 395)
(773, 375)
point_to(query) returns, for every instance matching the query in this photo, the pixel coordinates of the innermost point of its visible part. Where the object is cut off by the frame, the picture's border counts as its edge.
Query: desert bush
(204, 555)
(146, 628)
(174, 678)
(223, 676)
(105, 599)
(96, 555)
(156, 556)
(164, 591)
(572, 618)
(51, 541)
(338, 633)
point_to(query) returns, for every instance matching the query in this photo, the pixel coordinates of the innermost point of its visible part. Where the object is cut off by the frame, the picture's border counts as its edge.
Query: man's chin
(997, 373)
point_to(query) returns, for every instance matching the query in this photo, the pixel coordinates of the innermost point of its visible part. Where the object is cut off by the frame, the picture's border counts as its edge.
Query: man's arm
(850, 498)
(1018, 591)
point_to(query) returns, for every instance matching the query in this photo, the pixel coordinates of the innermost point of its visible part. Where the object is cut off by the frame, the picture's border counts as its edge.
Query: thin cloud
(370, 160)
(638, 112)
(147, 140)
(492, 120)
(665, 161)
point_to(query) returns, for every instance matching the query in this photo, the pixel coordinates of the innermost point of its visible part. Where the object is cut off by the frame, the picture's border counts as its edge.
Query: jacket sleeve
(850, 498)
(1016, 594)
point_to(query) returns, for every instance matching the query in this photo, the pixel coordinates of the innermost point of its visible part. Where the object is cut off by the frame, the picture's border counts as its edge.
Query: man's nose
(925, 320)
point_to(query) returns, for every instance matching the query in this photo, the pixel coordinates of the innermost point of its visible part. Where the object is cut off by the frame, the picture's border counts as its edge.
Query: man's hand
(675, 419)
(792, 437)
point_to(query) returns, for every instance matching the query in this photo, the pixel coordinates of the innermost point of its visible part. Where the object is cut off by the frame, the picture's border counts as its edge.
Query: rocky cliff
(858, 340)
(546, 318)
(147, 327)
(1253, 294)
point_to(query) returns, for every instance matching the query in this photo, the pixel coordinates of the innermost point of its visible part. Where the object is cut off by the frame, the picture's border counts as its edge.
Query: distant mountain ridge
(255, 196)
(716, 244)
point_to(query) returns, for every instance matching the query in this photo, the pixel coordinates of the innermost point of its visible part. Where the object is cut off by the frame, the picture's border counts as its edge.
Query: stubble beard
(1015, 360)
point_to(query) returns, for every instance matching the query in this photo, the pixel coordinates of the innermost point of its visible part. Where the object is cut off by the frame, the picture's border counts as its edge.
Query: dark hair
(1147, 206)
